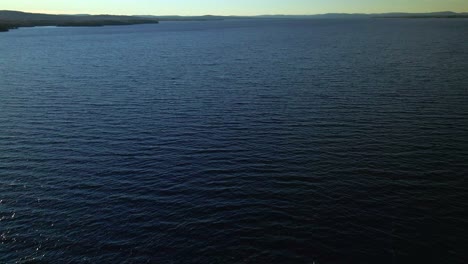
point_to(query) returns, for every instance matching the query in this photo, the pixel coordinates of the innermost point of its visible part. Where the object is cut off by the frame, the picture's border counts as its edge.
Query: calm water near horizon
(249, 141)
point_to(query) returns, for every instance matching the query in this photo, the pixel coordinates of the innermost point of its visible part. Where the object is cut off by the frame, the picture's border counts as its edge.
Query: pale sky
(231, 7)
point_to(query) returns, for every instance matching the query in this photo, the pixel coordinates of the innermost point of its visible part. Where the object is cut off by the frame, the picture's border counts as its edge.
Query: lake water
(287, 141)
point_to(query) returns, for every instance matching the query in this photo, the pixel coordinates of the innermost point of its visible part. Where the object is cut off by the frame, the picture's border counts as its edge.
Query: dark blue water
(326, 141)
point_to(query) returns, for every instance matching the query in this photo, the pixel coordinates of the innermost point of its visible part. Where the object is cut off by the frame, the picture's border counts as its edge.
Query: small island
(14, 19)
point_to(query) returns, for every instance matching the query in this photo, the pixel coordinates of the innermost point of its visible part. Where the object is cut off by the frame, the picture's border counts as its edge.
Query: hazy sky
(231, 7)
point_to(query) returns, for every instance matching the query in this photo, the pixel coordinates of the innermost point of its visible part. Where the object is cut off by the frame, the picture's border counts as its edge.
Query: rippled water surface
(326, 141)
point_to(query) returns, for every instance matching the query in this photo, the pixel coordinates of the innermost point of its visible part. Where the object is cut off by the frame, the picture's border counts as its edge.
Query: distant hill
(194, 18)
(15, 19)
(446, 14)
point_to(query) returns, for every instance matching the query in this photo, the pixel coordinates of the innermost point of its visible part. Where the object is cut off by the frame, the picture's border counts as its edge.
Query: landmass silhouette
(15, 19)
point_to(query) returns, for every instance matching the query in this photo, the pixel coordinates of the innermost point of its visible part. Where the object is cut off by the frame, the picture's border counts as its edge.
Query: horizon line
(279, 14)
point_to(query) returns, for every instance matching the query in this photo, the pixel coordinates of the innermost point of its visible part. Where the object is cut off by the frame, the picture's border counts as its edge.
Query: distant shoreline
(10, 20)
(4, 28)
(13, 19)
(425, 17)
(8, 28)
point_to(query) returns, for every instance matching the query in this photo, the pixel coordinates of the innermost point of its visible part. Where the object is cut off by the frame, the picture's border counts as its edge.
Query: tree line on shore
(14, 19)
